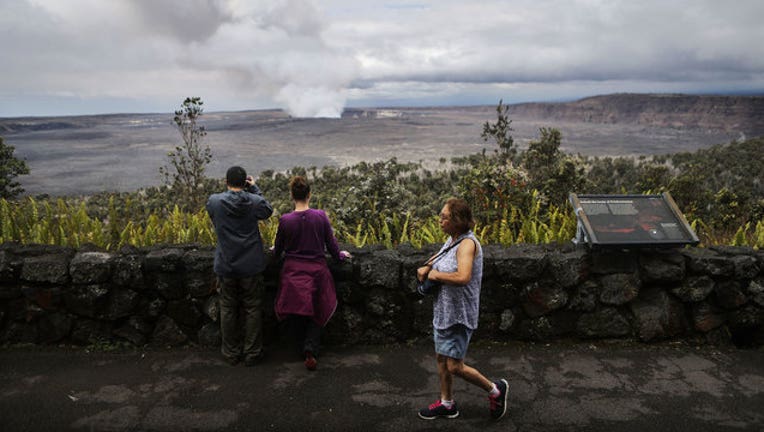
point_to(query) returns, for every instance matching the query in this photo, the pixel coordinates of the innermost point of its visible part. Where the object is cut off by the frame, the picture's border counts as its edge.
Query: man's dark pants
(245, 293)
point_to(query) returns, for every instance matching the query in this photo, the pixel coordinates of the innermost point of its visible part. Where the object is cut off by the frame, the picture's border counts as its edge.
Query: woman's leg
(312, 338)
(294, 330)
(467, 373)
(310, 343)
(446, 378)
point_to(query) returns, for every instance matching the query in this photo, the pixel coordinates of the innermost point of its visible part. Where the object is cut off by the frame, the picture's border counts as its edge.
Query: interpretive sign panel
(631, 220)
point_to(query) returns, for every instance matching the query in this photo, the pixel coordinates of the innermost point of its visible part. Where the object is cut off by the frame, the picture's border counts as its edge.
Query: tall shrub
(184, 172)
(10, 168)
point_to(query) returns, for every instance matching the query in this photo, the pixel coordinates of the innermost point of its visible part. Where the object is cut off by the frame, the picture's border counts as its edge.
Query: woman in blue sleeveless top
(459, 272)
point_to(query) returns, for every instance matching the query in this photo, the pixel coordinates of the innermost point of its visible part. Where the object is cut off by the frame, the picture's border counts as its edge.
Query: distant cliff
(728, 113)
(8, 127)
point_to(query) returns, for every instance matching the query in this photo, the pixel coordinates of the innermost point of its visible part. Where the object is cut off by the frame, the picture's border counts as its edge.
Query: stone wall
(165, 296)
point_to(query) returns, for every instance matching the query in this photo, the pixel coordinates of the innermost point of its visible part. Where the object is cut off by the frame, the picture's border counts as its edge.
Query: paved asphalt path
(555, 387)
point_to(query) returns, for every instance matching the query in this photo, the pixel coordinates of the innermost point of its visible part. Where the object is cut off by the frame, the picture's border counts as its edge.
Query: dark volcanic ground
(74, 155)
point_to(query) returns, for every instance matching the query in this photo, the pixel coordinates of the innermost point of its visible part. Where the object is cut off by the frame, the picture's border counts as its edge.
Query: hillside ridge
(717, 112)
(721, 112)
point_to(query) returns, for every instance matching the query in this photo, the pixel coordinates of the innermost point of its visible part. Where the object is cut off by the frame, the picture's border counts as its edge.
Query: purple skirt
(306, 288)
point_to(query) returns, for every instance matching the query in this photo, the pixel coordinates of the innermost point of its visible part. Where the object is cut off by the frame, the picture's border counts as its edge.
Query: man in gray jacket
(239, 262)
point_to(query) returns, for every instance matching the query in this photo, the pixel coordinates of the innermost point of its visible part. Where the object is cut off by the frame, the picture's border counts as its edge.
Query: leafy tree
(500, 132)
(494, 187)
(492, 182)
(10, 168)
(551, 171)
(722, 184)
(608, 175)
(653, 176)
(185, 171)
(725, 209)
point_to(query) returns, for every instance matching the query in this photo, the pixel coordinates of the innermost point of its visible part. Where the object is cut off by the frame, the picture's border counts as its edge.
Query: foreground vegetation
(517, 196)
(61, 223)
(390, 203)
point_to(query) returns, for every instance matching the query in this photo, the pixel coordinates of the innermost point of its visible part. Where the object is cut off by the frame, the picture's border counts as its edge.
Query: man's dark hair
(236, 177)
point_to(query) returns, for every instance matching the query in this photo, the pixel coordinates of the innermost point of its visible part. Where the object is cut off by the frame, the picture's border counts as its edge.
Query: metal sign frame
(631, 221)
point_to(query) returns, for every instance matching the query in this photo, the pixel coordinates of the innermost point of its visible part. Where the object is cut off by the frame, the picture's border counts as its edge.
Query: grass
(58, 223)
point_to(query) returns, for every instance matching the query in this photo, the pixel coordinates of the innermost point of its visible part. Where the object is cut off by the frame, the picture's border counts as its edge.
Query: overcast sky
(312, 58)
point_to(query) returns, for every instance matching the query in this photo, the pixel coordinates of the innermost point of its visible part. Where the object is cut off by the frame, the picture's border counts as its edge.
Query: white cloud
(545, 41)
(312, 58)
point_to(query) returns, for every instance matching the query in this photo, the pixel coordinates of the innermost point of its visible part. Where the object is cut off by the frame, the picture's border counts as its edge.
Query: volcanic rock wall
(166, 296)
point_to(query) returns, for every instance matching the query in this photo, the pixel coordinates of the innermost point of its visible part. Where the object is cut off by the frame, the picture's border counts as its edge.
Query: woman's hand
(345, 255)
(422, 272)
(433, 275)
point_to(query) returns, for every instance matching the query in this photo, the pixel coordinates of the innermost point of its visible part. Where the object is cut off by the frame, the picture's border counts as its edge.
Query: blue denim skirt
(453, 341)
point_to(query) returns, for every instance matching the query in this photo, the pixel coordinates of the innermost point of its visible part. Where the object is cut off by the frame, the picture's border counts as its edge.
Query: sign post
(630, 221)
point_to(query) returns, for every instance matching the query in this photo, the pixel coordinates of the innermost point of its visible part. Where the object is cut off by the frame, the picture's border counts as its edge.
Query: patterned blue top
(458, 304)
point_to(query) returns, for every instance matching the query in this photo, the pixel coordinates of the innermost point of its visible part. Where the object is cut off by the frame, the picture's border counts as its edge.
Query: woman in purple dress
(306, 298)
